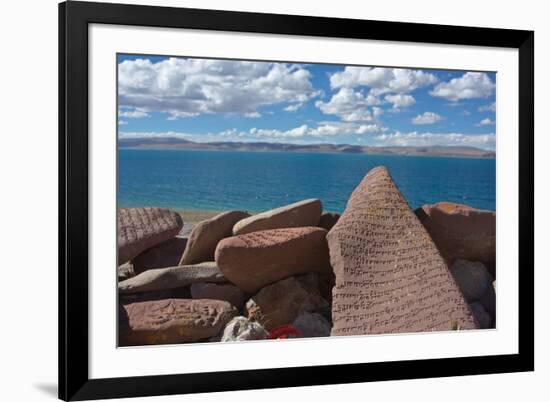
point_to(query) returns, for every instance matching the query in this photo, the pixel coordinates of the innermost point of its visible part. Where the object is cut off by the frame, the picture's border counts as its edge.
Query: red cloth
(284, 332)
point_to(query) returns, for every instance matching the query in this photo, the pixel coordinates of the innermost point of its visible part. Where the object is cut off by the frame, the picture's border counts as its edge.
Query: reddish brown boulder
(142, 228)
(328, 220)
(218, 291)
(160, 279)
(390, 278)
(172, 321)
(281, 302)
(302, 213)
(206, 235)
(256, 259)
(460, 231)
(166, 254)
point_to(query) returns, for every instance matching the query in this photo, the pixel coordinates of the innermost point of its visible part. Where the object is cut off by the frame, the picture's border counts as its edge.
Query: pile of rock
(234, 277)
(238, 276)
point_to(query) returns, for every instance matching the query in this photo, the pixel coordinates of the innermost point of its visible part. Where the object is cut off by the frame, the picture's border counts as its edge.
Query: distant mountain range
(180, 143)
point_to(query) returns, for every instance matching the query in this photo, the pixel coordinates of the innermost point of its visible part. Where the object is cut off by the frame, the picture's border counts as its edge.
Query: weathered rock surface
(256, 259)
(206, 235)
(242, 329)
(482, 316)
(177, 293)
(472, 278)
(488, 301)
(142, 228)
(328, 220)
(312, 325)
(125, 271)
(223, 291)
(280, 303)
(390, 277)
(186, 230)
(166, 254)
(326, 283)
(302, 213)
(172, 321)
(171, 278)
(461, 232)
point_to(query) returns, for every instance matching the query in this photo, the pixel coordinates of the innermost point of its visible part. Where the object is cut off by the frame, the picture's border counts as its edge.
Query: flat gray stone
(170, 278)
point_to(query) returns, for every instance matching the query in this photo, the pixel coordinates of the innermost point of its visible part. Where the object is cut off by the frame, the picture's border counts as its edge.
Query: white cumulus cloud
(190, 87)
(323, 129)
(382, 80)
(350, 105)
(486, 122)
(469, 86)
(491, 107)
(400, 100)
(426, 118)
(482, 141)
(132, 114)
(293, 107)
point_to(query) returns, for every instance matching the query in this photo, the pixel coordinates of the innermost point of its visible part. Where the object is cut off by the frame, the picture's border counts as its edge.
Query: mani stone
(472, 278)
(206, 235)
(302, 213)
(328, 220)
(172, 321)
(223, 291)
(256, 259)
(242, 329)
(390, 278)
(281, 302)
(171, 278)
(461, 232)
(166, 254)
(142, 228)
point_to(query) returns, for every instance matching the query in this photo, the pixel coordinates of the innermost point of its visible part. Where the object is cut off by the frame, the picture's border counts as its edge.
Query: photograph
(264, 200)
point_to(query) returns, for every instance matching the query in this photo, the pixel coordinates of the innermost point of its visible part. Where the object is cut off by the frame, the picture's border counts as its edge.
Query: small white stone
(242, 329)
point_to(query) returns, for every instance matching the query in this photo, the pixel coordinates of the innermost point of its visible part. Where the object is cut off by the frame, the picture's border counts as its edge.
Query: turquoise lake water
(256, 181)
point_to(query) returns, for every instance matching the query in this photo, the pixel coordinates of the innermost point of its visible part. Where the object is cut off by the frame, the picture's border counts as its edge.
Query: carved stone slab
(159, 279)
(256, 259)
(142, 228)
(390, 278)
(172, 321)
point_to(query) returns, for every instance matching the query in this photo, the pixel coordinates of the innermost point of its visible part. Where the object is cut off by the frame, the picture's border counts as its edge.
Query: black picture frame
(74, 18)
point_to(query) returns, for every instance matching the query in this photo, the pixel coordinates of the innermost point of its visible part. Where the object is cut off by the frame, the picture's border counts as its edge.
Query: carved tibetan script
(390, 277)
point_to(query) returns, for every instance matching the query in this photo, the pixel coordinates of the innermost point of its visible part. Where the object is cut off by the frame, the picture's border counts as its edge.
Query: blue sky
(224, 100)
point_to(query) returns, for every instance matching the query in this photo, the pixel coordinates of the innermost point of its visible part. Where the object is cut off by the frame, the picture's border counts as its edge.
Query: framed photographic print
(258, 200)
